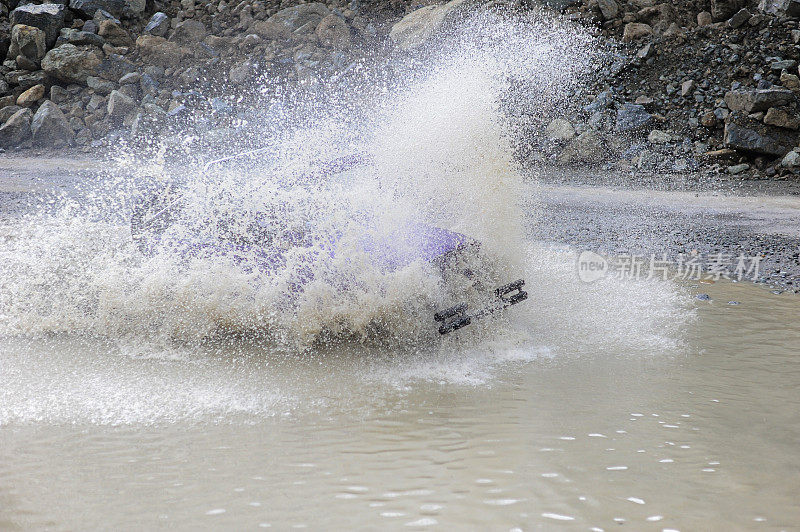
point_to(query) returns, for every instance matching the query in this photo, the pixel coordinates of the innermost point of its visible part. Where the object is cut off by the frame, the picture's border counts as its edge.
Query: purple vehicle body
(153, 213)
(416, 241)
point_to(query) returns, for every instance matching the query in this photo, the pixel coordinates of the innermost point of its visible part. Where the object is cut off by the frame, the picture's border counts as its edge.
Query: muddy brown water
(534, 435)
(596, 406)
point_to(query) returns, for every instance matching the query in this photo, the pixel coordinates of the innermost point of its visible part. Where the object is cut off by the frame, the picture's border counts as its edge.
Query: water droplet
(425, 521)
(558, 517)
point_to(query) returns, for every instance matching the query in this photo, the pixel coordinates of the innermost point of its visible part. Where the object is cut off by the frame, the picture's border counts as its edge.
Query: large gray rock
(755, 100)
(59, 94)
(71, 63)
(725, 9)
(50, 127)
(27, 41)
(608, 8)
(7, 112)
(421, 26)
(585, 148)
(189, 32)
(789, 8)
(114, 33)
(636, 30)
(47, 17)
(114, 66)
(135, 7)
(29, 79)
(746, 134)
(81, 38)
(739, 18)
(16, 130)
(632, 117)
(149, 120)
(100, 85)
(158, 25)
(780, 118)
(333, 32)
(119, 105)
(559, 130)
(87, 8)
(159, 51)
(266, 29)
(791, 160)
(304, 17)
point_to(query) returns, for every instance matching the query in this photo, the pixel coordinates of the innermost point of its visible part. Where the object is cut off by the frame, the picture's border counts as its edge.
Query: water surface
(501, 435)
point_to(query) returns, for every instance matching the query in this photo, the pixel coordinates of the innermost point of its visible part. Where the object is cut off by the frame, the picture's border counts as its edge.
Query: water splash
(440, 147)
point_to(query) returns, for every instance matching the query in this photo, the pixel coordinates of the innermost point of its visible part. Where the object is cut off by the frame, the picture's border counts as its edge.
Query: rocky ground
(697, 87)
(681, 225)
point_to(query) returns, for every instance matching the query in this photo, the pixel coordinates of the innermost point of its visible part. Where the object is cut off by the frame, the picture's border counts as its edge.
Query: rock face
(746, 134)
(87, 8)
(303, 18)
(16, 130)
(158, 25)
(780, 7)
(71, 63)
(49, 126)
(420, 26)
(755, 100)
(29, 42)
(47, 17)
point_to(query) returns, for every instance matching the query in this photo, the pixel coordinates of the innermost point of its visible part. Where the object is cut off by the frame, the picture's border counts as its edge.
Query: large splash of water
(438, 147)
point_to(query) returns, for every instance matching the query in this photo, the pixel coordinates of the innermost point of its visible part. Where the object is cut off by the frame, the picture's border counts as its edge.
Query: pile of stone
(692, 84)
(76, 71)
(718, 77)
